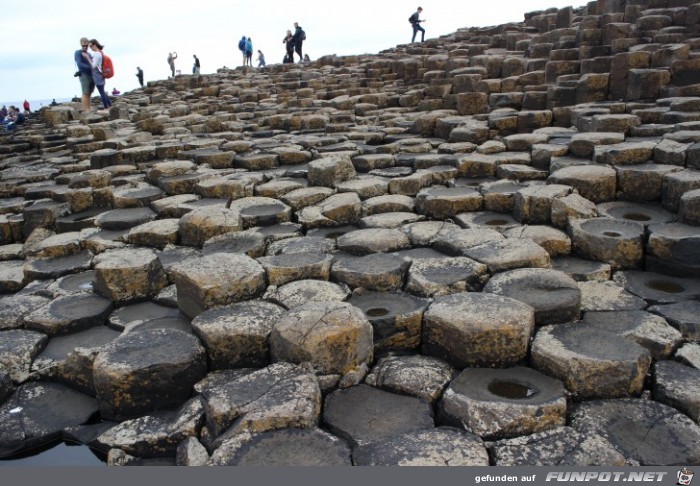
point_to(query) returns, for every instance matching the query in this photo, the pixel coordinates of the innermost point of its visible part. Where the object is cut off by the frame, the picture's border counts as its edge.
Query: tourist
(261, 59)
(415, 23)
(116, 92)
(299, 38)
(53, 102)
(25, 105)
(139, 75)
(241, 47)
(97, 75)
(307, 58)
(289, 44)
(196, 67)
(15, 118)
(249, 51)
(3, 111)
(171, 62)
(83, 60)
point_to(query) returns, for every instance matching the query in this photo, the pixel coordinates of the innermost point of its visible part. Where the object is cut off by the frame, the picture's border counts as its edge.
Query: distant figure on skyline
(415, 23)
(288, 41)
(139, 75)
(53, 102)
(25, 105)
(249, 52)
(83, 60)
(97, 75)
(241, 47)
(171, 62)
(261, 59)
(116, 92)
(299, 38)
(307, 58)
(196, 67)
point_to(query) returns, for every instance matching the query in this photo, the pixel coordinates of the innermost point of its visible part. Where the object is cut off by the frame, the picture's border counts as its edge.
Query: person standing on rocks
(415, 22)
(241, 47)
(288, 41)
(249, 52)
(139, 75)
(84, 62)
(196, 67)
(261, 59)
(299, 38)
(97, 76)
(171, 62)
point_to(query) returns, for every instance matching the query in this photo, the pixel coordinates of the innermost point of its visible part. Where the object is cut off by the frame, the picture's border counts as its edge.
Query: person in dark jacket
(139, 75)
(288, 41)
(299, 38)
(415, 22)
(87, 85)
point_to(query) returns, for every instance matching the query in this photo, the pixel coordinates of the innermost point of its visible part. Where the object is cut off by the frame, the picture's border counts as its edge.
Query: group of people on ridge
(91, 71)
(13, 117)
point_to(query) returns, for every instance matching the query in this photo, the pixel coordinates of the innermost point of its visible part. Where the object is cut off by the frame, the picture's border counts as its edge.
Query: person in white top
(97, 75)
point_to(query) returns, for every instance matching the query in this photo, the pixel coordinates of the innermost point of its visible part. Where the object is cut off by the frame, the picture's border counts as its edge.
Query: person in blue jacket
(87, 85)
(241, 47)
(249, 52)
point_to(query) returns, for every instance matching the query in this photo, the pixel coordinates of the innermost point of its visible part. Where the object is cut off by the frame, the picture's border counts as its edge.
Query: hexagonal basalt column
(129, 274)
(591, 362)
(554, 295)
(147, 370)
(504, 403)
(218, 279)
(334, 336)
(464, 330)
(619, 243)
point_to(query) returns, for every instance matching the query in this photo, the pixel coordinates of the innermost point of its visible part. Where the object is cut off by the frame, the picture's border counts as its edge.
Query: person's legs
(422, 33)
(297, 48)
(103, 96)
(87, 86)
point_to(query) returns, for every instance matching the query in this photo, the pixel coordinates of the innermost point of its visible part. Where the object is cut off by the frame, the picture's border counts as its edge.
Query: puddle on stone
(636, 217)
(665, 286)
(511, 390)
(496, 222)
(377, 312)
(612, 234)
(56, 454)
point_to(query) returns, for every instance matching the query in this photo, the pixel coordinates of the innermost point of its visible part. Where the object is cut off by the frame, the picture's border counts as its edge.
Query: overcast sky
(40, 36)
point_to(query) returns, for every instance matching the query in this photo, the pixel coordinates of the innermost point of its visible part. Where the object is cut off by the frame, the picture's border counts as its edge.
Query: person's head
(296, 24)
(249, 40)
(289, 32)
(95, 45)
(420, 9)
(84, 42)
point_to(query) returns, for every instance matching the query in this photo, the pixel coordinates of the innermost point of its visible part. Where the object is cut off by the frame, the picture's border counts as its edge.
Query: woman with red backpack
(98, 75)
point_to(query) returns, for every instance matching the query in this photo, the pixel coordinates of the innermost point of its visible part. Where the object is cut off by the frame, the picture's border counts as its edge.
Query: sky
(39, 65)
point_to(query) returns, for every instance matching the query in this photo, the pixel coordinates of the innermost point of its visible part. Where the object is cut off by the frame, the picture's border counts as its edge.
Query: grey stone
(68, 314)
(18, 348)
(420, 376)
(363, 414)
(463, 330)
(648, 432)
(677, 385)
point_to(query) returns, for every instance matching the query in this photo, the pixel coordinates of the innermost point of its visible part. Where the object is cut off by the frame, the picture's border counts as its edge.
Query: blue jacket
(83, 66)
(248, 47)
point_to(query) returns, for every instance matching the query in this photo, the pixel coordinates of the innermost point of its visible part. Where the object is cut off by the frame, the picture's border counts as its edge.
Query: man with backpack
(299, 37)
(415, 21)
(241, 47)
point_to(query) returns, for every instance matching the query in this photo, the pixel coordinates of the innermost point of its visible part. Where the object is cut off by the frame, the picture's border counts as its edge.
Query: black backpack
(302, 35)
(412, 18)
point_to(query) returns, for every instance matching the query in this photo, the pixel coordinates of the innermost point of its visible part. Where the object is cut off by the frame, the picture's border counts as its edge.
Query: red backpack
(107, 66)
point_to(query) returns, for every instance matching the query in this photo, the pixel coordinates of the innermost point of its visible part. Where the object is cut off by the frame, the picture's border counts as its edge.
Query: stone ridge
(489, 239)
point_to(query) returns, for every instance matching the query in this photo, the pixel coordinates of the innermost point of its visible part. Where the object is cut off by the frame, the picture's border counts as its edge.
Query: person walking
(196, 67)
(83, 61)
(288, 41)
(415, 22)
(171, 62)
(139, 75)
(261, 59)
(299, 38)
(97, 76)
